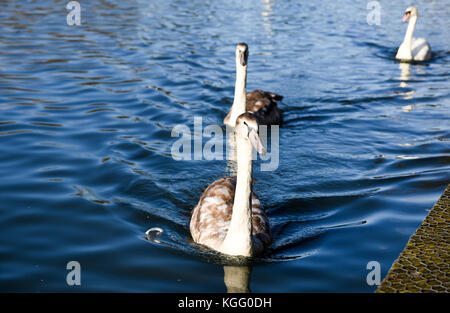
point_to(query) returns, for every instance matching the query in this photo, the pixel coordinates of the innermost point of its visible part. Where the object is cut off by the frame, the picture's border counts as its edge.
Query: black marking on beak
(243, 57)
(243, 53)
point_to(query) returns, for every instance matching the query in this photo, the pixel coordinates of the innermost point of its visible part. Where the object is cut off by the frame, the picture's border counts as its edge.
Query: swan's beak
(256, 142)
(243, 58)
(406, 17)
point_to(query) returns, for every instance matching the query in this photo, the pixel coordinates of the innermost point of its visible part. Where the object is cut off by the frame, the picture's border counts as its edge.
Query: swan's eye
(407, 12)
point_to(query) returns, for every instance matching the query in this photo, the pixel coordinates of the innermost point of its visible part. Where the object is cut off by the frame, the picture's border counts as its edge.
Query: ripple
(89, 195)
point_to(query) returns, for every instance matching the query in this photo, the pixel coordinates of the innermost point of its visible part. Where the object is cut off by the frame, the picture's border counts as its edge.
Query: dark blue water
(86, 114)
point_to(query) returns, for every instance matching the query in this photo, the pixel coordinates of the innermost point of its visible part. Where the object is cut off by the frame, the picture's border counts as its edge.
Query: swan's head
(242, 53)
(410, 12)
(247, 128)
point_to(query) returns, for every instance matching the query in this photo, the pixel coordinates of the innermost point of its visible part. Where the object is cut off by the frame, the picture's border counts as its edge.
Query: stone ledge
(424, 264)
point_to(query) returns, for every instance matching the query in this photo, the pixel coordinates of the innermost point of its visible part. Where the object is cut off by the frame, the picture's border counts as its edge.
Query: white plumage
(413, 49)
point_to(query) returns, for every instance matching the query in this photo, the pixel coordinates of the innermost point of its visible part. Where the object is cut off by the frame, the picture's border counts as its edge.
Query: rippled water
(86, 114)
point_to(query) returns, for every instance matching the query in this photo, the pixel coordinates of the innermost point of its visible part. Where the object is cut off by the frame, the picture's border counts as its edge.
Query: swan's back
(212, 216)
(263, 105)
(420, 50)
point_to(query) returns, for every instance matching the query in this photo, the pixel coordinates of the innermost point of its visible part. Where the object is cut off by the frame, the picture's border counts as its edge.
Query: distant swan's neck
(239, 103)
(238, 240)
(407, 41)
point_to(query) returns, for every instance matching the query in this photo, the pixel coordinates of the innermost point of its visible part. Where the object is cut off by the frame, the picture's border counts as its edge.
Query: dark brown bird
(262, 104)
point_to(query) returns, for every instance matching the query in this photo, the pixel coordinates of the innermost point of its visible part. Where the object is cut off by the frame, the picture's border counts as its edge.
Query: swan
(413, 49)
(228, 217)
(262, 103)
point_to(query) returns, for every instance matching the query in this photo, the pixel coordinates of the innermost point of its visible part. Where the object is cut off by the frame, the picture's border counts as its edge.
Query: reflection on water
(404, 77)
(266, 13)
(409, 107)
(237, 278)
(405, 72)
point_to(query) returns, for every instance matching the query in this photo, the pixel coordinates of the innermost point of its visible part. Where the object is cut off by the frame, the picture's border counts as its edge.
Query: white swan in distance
(262, 103)
(228, 217)
(413, 49)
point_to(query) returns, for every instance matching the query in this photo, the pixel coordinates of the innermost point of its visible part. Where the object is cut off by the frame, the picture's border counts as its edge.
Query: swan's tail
(276, 97)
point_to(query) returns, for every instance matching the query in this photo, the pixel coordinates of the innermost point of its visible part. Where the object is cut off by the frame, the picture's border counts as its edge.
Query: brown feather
(212, 216)
(263, 104)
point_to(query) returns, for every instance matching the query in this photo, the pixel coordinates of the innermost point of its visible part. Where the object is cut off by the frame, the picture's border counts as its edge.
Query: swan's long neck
(409, 33)
(239, 103)
(238, 240)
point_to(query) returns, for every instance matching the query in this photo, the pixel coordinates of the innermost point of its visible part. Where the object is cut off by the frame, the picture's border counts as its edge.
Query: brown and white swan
(261, 103)
(228, 217)
(413, 49)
